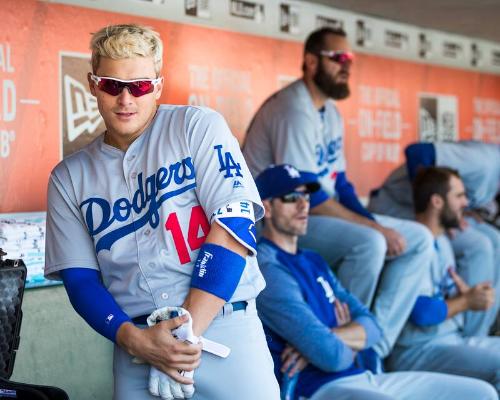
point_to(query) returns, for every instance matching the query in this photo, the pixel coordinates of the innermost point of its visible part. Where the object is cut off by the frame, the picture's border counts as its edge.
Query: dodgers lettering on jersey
(140, 216)
(149, 196)
(327, 156)
(443, 262)
(288, 129)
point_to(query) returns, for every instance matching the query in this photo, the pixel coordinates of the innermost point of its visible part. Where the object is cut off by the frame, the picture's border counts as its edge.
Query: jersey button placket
(129, 170)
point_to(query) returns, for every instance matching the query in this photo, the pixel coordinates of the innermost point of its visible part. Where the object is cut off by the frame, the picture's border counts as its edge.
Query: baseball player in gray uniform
(157, 216)
(477, 244)
(300, 125)
(434, 339)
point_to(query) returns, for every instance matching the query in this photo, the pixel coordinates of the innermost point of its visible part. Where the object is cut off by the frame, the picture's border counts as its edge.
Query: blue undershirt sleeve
(429, 311)
(318, 197)
(92, 301)
(348, 198)
(284, 310)
(419, 155)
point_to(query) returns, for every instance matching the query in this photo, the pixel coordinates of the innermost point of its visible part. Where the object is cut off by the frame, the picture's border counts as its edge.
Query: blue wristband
(429, 311)
(217, 270)
(348, 198)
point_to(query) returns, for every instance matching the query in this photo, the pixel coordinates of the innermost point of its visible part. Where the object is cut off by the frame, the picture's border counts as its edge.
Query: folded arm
(362, 331)
(284, 310)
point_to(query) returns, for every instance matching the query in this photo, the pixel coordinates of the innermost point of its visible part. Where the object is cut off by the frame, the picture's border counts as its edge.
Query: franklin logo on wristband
(203, 263)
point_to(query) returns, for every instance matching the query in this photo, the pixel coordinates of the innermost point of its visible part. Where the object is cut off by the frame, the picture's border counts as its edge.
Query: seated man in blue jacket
(313, 324)
(433, 338)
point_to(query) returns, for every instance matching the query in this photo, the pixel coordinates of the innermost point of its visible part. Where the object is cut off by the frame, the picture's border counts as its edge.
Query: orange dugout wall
(46, 111)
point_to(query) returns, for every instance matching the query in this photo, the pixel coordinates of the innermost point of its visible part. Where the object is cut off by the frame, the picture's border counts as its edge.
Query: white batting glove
(160, 384)
(183, 332)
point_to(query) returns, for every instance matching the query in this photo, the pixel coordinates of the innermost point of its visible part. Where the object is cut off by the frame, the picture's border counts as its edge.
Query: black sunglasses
(293, 197)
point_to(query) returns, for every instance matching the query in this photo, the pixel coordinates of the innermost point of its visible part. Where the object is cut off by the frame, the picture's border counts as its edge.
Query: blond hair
(126, 41)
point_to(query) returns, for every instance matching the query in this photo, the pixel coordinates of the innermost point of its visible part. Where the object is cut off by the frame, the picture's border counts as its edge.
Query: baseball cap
(278, 180)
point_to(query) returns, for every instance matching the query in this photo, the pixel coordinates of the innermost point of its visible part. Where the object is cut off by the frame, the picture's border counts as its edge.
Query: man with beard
(433, 338)
(476, 244)
(300, 125)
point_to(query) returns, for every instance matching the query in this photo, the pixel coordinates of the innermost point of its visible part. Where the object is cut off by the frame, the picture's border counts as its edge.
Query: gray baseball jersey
(140, 216)
(395, 196)
(289, 129)
(437, 282)
(478, 164)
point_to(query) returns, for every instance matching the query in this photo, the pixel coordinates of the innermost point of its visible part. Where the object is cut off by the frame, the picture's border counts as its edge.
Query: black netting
(12, 279)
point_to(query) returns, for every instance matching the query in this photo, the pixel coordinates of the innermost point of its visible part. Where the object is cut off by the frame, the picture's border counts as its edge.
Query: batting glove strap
(185, 331)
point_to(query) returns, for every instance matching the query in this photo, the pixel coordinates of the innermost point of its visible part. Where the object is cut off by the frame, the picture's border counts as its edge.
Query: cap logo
(292, 172)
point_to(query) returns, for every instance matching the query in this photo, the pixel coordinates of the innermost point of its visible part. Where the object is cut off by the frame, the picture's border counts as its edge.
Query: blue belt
(237, 306)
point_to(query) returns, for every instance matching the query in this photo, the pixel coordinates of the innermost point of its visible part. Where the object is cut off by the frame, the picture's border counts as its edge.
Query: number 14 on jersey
(197, 220)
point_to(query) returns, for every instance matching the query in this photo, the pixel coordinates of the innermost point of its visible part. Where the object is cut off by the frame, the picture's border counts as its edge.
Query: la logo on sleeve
(227, 163)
